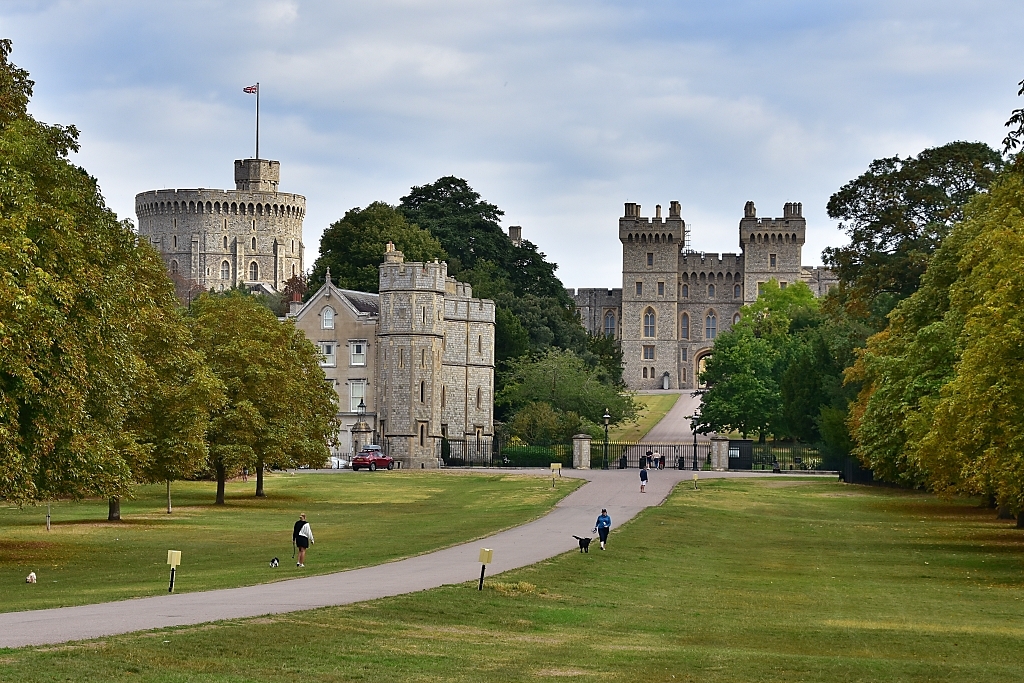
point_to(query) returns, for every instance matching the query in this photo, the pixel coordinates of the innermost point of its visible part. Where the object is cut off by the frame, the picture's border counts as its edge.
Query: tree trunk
(1020, 519)
(221, 479)
(114, 510)
(1004, 513)
(168, 496)
(259, 481)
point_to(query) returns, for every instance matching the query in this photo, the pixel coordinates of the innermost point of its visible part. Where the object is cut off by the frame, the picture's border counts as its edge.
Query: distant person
(603, 526)
(302, 537)
(647, 460)
(643, 479)
(245, 474)
(656, 461)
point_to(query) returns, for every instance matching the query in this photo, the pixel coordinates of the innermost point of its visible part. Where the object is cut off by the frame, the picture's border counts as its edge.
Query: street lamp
(693, 426)
(607, 417)
(361, 408)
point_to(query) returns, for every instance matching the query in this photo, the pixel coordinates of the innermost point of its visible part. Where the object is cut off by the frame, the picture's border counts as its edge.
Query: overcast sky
(557, 111)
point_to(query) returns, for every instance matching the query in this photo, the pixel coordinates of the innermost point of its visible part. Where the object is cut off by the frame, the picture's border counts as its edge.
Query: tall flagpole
(257, 119)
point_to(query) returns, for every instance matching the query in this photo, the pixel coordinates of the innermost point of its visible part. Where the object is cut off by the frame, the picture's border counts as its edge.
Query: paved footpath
(617, 490)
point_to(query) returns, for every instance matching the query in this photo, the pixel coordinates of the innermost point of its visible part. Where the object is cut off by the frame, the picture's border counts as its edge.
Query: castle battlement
(712, 260)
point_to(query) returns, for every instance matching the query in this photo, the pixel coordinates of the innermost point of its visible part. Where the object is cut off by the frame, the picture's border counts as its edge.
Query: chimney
(657, 210)
(294, 305)
(674, 210)
(515, 234)
(392, 255)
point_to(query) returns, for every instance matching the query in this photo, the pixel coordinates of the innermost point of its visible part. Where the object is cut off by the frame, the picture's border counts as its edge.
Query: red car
(372, 459)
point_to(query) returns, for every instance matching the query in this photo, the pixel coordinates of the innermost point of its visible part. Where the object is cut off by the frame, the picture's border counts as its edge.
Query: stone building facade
(218, 239)
(419, 356)
(675, 301)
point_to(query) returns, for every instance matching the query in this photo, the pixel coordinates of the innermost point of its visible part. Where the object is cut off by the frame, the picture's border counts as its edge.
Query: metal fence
(787, 456)
(628, 455)
(512, 452)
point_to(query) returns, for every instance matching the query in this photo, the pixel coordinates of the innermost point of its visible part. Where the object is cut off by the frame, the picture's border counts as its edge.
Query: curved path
(541, 539)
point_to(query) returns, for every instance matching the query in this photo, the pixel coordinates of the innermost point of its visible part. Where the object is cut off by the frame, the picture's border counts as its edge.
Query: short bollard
(486, 554)
(555, 467)
(173, 559)
(695, 476)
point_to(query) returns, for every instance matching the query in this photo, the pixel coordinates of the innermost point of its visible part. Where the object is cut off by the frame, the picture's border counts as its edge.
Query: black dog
(274, 562)
(584, 544)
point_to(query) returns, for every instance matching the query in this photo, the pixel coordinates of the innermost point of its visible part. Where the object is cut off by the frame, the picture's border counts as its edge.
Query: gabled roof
(362, 304)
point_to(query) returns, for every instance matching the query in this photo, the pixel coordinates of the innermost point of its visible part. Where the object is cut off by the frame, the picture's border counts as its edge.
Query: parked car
(372, 459)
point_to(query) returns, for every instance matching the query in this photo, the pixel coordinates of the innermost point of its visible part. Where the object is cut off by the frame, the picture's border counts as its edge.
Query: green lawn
(653, 407)
(744, 580)
(358, 519)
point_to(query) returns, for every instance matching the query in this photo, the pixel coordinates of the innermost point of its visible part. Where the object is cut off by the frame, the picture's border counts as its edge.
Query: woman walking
(302, 537)
(603, 526)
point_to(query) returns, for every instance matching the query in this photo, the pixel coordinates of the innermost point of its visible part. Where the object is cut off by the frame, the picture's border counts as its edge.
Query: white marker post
(695, 476)
(486, 555)
(173, 559)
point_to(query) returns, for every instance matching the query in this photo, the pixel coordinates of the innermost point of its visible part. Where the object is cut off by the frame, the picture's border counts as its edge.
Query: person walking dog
(302, 537)
(643, 479)
(603, 526)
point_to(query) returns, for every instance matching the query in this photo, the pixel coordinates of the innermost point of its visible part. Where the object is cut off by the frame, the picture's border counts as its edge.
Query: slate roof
(364, 302)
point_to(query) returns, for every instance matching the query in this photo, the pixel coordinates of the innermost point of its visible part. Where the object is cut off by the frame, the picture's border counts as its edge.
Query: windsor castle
(674, 301)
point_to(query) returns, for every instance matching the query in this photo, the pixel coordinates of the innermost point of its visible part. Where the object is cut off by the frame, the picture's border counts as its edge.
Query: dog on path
(584, 543)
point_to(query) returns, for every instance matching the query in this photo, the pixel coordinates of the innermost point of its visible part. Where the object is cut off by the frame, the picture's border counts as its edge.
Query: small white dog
(31, 578)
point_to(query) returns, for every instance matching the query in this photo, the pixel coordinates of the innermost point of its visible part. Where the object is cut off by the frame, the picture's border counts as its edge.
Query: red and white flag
(252, 89)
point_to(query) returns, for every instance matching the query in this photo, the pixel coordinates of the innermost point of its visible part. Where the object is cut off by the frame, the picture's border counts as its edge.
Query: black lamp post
(361, 408)
(607, 417)
(693, 426)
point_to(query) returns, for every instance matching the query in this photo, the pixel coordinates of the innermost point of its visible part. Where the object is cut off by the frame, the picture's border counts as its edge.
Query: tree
(353, 247)
(896, 214)
(278, 408)
(80, 303)
(565, 382)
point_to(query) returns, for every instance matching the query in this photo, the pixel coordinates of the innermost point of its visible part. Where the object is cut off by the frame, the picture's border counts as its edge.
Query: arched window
(711, 326)
(444, 396)
(423, 392)
(254, 244)
(480, 344)
(684, 329)
(478, 398)
(649, 323)
(174, 266)
(327, 318)
(645, 373)
(686, 290)
(735, 318)
(711, 291)
(254, 272)
(737, 291)
(225, 241)
(225, 270)
(423, 434)
(609, 324)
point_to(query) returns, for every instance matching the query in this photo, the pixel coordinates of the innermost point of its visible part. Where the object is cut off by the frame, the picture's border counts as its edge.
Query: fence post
(719, 453)
(581, 452)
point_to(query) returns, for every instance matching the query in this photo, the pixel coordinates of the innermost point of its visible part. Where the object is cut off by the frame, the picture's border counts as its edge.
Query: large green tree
(81, 309)
(896, 214)
(353, 247)
(279, 411)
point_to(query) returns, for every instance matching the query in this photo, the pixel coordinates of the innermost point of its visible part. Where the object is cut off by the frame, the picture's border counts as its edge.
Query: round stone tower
(217, 239)
(410, 342)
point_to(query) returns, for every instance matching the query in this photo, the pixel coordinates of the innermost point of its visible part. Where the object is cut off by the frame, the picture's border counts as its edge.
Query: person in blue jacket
(604, 525)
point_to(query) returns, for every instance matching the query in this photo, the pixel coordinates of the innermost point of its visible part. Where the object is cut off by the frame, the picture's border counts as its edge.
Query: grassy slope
(742, 581)
(358, 519)
(653, 408)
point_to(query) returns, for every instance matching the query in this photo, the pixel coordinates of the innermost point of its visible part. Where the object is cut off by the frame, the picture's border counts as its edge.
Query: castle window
(686, 290)
(254, 244)
(782, 285)
(423, 434)
(609, 324)
(174, 241)
(293, 246)
(650, 259)
(479, 401)
(661, 289)
(684, 330)
(254, 272)
(639, 289)
(711, 326)
(293, 270)
(423, 314)
(225, 270)
(771, 259)
(648, 353)
(735, 318)
(649, 323)
(480, 344)
(327, 318)
(423, 392)
(684, 355)
(737, 291)
(401, 358)
(174, 267)
(760, 288)
(328, 356)
(444, 402)
(357, 353)
(711, 291)
(423, 358)
(645, 372)
(225, 236)
(356, 394)
(683, 376)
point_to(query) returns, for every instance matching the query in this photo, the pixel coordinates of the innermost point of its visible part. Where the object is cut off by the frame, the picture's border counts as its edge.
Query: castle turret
(410, 345)
(771, 247)
(218, 239)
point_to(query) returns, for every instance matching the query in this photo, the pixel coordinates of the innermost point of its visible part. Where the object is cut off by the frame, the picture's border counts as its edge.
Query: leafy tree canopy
(896, 214)
(353, 247)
